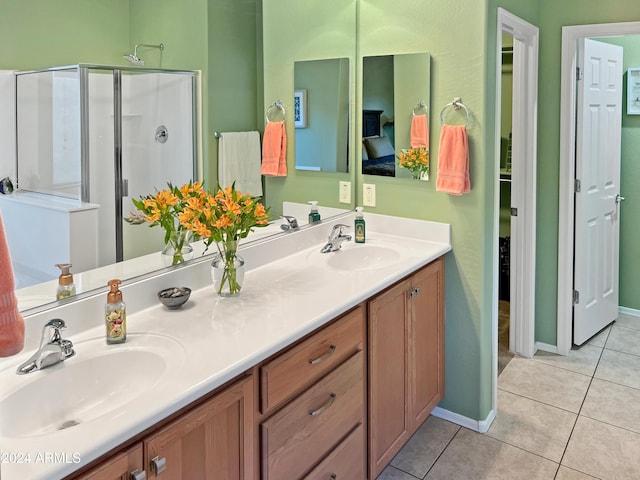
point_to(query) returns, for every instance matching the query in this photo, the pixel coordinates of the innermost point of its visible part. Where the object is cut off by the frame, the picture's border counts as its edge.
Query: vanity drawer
(304, 431)
(346, 462)
(311, 359)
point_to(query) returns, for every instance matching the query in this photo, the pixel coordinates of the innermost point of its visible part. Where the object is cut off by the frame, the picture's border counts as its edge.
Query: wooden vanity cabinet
(122, 466)
(213, 440)
(406, 361)
(313, 405)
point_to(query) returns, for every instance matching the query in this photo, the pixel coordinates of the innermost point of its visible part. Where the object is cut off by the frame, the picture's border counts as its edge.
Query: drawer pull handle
(158, 465)
(322, 358)
(333, 476)
(325, 406)
(138, 475)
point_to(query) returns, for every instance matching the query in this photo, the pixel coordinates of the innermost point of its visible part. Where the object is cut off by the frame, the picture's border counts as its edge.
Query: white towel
(239, 161)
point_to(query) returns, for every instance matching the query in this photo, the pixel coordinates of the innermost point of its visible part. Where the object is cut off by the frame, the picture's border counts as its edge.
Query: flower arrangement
(163, 209)
(416, 160)
(224, 218)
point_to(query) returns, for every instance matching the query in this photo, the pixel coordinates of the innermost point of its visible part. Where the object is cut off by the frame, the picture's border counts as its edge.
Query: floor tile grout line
(540, 401)
(442, 452)
(564, 451)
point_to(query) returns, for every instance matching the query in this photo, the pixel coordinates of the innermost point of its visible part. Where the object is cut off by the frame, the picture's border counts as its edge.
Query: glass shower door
(158, 145)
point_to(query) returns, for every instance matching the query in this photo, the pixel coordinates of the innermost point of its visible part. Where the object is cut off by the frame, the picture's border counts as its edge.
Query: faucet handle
(337, 229)
(292, 222)
(56, 324)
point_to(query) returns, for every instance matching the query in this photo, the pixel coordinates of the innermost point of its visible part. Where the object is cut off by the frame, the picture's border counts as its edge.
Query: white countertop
(281, 301)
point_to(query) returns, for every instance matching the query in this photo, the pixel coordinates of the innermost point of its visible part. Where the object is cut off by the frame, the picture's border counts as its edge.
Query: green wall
(45, 33)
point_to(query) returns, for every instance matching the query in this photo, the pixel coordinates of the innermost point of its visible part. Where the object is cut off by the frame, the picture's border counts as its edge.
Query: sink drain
(68, 424)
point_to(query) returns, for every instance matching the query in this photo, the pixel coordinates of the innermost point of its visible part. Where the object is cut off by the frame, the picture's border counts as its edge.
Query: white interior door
(597, 225)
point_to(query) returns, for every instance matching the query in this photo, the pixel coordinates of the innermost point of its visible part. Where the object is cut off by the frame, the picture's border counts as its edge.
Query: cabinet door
(212, 441)
(426, 342)
(120, 467)
(388, 422)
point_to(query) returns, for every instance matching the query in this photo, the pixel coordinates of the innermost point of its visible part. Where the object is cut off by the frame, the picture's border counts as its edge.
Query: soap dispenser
(66, 288)
(314, 215)
(115, 314)
(359, 224)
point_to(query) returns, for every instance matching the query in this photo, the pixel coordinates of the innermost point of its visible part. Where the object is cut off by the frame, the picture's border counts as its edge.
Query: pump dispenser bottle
(359, 224)
(115, 314)
(314, 215)
(66, 288)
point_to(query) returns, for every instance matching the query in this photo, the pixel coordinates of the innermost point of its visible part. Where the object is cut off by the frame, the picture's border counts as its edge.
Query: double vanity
(324, 365)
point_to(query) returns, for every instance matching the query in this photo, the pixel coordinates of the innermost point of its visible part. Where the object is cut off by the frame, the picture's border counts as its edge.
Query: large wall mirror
(321, 115)
(203, 36)
(395, 89)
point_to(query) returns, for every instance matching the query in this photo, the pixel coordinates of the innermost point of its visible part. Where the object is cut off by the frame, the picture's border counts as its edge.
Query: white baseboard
(480, 426)
(629, 311)
(545, 347)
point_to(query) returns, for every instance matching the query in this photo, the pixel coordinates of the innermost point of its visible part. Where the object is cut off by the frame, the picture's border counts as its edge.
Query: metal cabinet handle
(413, 292)
(333, 476)
(322, 358)
(325, 406)
(619, 198)
(158, 465)
(138, 475)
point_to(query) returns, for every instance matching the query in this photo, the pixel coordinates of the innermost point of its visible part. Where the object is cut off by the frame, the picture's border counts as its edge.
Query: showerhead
(133, 58)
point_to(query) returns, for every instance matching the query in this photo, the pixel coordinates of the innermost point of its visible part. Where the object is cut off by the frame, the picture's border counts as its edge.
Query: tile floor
(563, 418)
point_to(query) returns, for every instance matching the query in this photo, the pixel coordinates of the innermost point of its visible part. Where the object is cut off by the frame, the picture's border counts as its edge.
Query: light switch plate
(345, 192)
(369, 194)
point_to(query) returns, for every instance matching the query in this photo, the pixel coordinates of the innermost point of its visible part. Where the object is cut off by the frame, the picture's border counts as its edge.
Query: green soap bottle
(359, 226)
(314, 215)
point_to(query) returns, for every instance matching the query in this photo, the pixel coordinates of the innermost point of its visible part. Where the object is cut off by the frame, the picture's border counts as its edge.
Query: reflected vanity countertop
(49, 202)
(291, 291)
(43, 293)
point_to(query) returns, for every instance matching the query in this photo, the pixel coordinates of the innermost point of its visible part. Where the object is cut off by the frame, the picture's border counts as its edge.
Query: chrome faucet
(292, 223)
(336, 237)
(53, 348)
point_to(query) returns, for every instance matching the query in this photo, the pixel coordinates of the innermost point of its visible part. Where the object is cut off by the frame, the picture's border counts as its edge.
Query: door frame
(566, 208)
(523, 182)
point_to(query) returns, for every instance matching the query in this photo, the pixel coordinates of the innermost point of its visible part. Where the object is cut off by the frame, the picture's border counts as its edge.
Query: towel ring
(274, 107)
(457, 105)
(420, 109)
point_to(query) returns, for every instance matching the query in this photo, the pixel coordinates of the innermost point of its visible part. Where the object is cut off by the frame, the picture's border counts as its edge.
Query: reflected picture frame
(300, 108)
(633, 91)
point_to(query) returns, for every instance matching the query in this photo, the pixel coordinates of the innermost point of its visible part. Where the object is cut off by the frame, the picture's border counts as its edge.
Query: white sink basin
(358, 256)
(99, 380)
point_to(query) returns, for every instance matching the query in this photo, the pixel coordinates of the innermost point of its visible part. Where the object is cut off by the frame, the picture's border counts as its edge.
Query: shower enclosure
(103, 135)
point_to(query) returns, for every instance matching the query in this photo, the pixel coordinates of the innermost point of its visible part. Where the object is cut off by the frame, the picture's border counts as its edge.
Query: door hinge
(577, 185)
(579, 73)
(576, 297)
(514, 212)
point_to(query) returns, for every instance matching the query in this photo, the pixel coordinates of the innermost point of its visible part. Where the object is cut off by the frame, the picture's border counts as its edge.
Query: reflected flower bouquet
(416, 160)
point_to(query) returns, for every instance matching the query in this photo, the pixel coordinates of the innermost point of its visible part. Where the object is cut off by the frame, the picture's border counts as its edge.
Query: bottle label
(359, 233)
(116, 325)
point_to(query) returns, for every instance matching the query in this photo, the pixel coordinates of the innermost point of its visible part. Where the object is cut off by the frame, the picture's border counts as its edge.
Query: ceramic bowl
(174, 297)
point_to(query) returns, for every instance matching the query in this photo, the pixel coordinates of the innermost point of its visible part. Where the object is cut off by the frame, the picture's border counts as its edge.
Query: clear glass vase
(177, 249)
(227, 270)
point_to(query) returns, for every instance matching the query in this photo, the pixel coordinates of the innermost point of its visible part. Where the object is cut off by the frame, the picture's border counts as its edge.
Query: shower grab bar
(457, 105)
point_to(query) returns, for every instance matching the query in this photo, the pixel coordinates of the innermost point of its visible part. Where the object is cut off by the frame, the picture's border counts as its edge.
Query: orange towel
(419, 131)
(453, 161)
(11, 322)
(274, 150)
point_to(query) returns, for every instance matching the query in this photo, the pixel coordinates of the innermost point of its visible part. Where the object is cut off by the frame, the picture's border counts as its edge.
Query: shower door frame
(120, 188)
